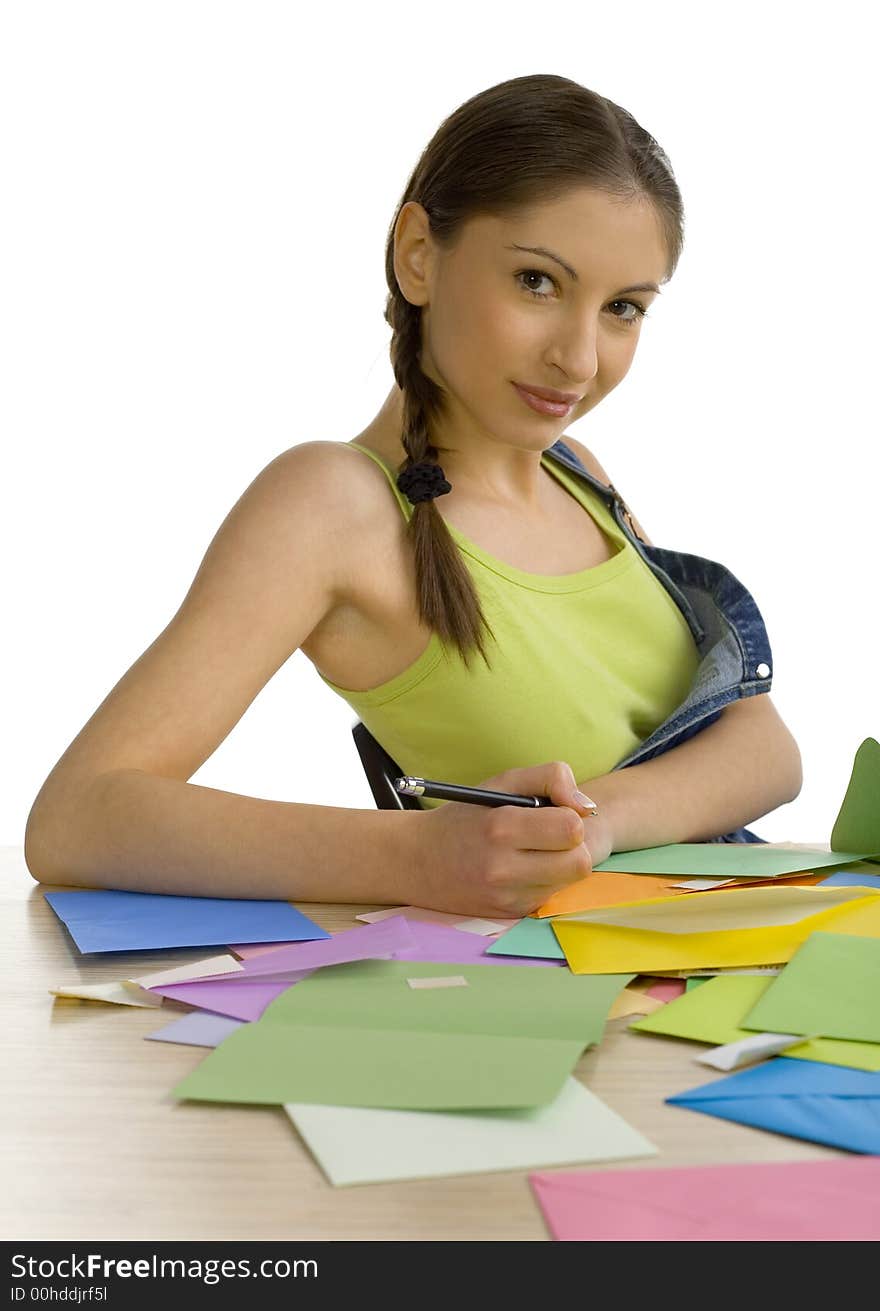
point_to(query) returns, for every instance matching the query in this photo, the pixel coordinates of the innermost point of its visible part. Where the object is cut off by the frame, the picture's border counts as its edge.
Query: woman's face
(494, 315)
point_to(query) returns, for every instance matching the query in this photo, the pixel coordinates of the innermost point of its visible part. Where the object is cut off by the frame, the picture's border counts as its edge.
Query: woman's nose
(576, 351)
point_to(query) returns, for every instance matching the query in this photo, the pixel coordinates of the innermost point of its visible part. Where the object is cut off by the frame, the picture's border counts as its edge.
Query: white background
(195, 203)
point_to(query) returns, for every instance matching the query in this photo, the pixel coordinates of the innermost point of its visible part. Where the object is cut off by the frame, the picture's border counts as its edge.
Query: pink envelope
(666, 989)
(822, 1201)
(248, 950)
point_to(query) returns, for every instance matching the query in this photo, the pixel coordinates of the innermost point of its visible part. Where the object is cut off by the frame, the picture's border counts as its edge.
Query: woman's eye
(536, 274)
(639, 311)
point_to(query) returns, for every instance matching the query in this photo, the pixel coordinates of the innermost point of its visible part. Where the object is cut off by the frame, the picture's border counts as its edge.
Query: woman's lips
(558, 409)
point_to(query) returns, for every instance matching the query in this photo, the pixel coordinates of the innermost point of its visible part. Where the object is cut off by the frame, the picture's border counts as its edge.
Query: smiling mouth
(549, 408)
(549, 394)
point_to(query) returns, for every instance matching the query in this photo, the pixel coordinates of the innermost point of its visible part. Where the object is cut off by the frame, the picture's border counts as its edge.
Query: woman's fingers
(555, 780)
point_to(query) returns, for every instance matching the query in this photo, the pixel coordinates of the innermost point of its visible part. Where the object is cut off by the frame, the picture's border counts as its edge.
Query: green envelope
(740, 860)
(855, 836)
(715, 1013)
(830, 986)
(857, 826)
(359, 1035)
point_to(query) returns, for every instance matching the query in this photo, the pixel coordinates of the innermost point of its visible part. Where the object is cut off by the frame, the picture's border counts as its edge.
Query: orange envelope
(787, 880)
(608, 888)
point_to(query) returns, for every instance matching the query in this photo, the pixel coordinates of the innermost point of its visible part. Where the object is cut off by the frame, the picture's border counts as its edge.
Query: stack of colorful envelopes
(421, 1043)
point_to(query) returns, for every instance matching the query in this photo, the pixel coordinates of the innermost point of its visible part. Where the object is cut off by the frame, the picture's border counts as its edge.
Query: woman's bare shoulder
(595, 468)
(346, 480)
(348, 501)
(587, 458)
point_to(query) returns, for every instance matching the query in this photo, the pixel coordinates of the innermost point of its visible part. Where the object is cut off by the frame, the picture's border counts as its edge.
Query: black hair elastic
(422, 482)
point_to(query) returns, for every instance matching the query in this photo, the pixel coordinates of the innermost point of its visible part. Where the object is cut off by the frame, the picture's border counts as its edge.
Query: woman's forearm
(741, 767)
(138, 832)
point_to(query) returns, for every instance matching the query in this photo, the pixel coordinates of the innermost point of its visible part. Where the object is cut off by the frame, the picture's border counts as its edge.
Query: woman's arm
(144, 833)
(741, 767)
(117, 809)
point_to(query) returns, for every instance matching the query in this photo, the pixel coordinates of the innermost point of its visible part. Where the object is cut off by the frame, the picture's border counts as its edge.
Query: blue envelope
(109, 920)
(843, 879)
(828, 1104)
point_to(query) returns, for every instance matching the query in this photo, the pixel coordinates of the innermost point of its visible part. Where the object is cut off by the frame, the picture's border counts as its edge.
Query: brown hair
(523, 142)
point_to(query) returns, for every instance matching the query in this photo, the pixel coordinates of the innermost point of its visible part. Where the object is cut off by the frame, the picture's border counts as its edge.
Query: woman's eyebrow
(541, 250)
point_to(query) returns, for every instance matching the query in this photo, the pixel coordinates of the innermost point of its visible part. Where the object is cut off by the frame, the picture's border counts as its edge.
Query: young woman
(471, 584)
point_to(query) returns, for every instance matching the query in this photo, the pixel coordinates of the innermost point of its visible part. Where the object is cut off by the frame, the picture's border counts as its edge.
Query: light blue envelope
(845, 879)
(828, 1104)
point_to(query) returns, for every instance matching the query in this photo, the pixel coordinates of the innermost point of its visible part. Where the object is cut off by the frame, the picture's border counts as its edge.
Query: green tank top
(584, 666)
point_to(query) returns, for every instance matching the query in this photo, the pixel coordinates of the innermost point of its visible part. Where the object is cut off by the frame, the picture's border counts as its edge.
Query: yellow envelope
(748, 926)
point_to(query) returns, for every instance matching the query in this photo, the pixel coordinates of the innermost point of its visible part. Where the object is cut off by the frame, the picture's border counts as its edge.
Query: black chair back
(381, 771)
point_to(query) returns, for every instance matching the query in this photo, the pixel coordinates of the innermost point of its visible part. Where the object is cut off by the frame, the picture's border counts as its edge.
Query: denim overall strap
(727, 627)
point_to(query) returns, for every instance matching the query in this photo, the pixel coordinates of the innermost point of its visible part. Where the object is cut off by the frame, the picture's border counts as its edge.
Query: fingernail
(586, 802)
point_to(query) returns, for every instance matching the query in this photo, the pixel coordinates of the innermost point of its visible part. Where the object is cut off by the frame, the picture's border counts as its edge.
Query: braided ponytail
(448, 600)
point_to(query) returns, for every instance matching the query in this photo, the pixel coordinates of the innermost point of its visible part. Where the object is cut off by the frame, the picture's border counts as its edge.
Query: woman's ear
(413, 255)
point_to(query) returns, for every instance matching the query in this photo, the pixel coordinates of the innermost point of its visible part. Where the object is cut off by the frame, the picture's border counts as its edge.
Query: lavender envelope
(441, 945)
(196, 1029)
(294, 960)
(402, 938)
(246, 1002)
(265, 977)
(246, 995)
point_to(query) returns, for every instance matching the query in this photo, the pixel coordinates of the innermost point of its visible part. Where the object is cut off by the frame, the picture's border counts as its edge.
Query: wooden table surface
(95, 1148)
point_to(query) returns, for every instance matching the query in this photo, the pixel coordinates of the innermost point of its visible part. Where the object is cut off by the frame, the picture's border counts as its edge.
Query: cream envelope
(208, 967)
(121, 993)
(718, 911)
(633, 1002)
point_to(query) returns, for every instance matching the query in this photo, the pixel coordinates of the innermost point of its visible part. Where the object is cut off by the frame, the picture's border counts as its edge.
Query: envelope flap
(722, 910)
(784, 1077)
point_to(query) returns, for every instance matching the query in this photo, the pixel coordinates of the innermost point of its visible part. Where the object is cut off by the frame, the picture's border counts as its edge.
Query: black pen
(427, 787)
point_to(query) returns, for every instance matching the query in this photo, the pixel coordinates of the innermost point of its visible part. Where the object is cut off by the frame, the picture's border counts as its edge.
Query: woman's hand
(598, 838)
(508, 860)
